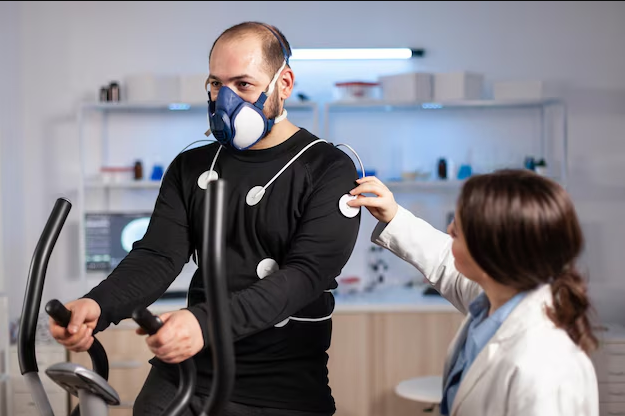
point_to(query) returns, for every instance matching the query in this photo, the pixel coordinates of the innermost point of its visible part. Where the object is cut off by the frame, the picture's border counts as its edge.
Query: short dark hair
(276, 48)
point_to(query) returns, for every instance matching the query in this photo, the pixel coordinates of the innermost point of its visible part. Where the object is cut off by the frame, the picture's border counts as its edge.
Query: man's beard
(272, 106)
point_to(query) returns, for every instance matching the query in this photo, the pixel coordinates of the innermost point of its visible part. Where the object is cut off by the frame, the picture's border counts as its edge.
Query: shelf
(389, 105)
(175, 106)
(407, 186)
(143, 184)
(436, 185)
(392, 185)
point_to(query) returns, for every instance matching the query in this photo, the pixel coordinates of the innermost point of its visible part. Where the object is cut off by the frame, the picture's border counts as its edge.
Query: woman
(508, 264)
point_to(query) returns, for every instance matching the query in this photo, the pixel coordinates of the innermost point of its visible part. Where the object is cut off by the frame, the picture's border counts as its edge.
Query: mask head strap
(272, 84)
(286, 55)
(284, 51)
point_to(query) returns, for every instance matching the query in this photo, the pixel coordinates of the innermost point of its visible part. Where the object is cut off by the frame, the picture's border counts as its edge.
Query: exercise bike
(91, 387)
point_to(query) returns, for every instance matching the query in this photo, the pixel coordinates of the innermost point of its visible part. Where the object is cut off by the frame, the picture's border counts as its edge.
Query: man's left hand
(179, 338)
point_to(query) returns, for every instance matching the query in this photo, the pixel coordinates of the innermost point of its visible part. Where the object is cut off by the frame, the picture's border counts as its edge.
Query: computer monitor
(109, 237)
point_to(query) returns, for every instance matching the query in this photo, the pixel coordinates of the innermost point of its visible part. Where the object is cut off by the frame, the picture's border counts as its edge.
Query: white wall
(66, 50)
(9, 201)
(12, 200)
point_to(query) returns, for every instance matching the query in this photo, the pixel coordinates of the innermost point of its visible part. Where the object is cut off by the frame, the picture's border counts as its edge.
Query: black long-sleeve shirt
(297, 223)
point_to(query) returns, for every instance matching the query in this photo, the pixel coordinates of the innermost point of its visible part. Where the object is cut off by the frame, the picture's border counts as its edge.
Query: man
(287, 240)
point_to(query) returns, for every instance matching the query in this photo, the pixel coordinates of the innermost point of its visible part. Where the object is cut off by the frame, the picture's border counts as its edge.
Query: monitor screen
(109, 237)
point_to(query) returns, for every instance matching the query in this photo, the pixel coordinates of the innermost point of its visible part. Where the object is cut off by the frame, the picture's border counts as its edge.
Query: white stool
(422, 389)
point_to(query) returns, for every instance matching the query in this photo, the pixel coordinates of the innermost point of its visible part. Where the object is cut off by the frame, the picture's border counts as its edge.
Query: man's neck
(279, 133)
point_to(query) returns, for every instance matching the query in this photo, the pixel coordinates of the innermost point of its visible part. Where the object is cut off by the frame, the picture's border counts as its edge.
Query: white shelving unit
(333, 108)
(435, 105)
(4, 322)
(143, 184)
(5, 378)
(425, 185)
(173, 107)
(107, 110)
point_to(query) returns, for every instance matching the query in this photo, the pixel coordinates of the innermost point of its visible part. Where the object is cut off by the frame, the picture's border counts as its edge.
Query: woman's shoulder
(548, 351)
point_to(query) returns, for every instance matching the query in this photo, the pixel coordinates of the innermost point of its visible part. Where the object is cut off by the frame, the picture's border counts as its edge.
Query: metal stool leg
(434, 409)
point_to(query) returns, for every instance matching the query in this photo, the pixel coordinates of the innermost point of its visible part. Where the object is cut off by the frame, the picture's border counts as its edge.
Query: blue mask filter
(235, 122)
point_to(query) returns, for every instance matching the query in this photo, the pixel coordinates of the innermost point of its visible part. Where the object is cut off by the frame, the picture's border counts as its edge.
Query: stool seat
(427, 389)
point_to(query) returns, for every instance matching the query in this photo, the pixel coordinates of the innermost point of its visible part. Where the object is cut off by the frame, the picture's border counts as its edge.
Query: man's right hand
(77, 336)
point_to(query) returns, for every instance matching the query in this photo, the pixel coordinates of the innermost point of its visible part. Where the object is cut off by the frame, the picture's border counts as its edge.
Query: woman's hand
(382, 206)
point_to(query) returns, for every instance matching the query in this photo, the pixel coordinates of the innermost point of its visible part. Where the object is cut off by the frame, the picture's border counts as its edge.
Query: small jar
(104, 94)
(138, 170)
(114, 94)
(529, 163)
(442, 168)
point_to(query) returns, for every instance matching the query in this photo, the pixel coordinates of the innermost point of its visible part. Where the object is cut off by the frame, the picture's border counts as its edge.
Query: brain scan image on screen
(134, 231)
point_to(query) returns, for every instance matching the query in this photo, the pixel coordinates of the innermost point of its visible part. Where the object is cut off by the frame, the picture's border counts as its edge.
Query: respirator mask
(240, 124)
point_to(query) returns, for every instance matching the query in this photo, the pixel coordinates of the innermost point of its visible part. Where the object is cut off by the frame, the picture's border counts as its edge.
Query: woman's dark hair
(522, 230)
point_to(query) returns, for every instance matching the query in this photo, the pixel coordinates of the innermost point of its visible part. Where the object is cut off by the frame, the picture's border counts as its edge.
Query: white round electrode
(266, 267)
(255, 195)
(349, 212)
(206, 177)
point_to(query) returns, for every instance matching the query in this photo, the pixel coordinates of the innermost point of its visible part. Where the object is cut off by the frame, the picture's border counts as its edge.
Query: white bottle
(451, 170)
(541, 167)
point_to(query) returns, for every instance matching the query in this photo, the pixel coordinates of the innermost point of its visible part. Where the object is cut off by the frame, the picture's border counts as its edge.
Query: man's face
(239, 65)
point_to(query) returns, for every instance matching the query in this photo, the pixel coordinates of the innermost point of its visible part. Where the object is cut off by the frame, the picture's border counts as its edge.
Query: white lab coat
(529, 367)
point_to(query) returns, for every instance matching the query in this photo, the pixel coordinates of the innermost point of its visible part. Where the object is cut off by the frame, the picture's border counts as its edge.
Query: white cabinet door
(4, 355)
(4, 315)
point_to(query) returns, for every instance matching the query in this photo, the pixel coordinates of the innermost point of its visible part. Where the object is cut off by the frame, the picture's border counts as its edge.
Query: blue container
(157, 173)
(367, 172)
(464, 172)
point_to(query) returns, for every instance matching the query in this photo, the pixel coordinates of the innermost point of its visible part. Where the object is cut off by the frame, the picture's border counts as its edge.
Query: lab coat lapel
(485, 360)
(454, 348)
(528, 313)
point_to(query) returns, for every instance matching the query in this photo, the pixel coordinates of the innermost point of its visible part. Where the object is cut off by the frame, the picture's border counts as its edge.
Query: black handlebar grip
(59, 312)
(150, 323)
(63, 316)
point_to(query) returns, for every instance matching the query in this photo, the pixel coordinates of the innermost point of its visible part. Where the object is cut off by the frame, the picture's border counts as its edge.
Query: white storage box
(525, 90)
(456, 86)
(408, 87)
(192, 89)
(149, 88)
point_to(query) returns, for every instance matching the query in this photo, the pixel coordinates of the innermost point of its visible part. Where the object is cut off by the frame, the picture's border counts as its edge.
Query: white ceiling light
(354, 53)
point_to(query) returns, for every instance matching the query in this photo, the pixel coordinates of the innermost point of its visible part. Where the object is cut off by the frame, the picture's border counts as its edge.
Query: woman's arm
(429, 250)
(415, 241)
